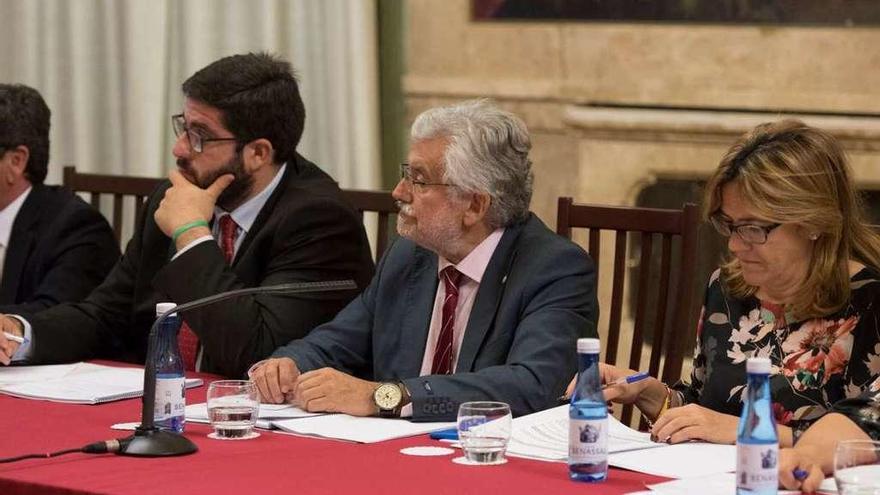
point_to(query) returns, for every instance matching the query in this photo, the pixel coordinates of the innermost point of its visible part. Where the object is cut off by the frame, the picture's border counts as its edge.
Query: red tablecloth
(273, 463)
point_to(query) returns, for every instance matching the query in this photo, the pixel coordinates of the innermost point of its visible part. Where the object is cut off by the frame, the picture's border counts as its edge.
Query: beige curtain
(111, 71)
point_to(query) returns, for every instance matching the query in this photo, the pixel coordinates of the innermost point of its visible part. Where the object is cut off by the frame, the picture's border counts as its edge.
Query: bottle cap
(588, 346)
(162, 307)
(758, 365)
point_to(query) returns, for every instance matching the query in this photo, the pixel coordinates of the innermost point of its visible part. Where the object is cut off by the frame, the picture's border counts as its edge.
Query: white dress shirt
(7, 220)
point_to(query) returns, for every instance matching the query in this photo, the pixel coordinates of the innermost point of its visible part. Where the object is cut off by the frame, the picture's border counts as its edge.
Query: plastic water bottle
(588, 419)
(757, 443)
(169, 412)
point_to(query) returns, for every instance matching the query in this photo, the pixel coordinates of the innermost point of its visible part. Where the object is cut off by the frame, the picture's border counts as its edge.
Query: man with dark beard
(243, 209)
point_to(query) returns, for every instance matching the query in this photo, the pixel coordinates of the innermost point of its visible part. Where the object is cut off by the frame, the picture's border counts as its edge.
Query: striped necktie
(443, 354)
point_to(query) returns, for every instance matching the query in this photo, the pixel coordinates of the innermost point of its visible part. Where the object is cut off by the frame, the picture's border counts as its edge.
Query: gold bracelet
(666, 401)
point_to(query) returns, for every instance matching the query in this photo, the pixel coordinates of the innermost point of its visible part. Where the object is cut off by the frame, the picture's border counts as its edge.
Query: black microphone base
(153, 442)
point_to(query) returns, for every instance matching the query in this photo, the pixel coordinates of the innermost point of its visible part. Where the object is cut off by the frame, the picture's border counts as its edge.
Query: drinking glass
(484, 430)
(233, 407)
(857, 467)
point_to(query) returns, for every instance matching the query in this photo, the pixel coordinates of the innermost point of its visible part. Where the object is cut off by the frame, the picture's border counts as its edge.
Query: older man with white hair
(479, 300)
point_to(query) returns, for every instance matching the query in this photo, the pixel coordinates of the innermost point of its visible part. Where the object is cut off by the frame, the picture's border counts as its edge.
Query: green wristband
(183, 228)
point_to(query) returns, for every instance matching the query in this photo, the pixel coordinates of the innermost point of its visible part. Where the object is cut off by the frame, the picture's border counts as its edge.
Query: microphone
(149, 441)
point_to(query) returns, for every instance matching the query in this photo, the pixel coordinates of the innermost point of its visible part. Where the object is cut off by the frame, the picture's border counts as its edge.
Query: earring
(813, 237)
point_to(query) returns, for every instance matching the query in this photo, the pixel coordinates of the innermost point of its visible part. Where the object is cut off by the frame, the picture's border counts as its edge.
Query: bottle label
(170, 400)
(587, 441)
(756, 466)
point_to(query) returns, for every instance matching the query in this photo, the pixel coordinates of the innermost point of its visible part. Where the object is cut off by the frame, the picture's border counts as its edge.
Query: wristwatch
(389, 399)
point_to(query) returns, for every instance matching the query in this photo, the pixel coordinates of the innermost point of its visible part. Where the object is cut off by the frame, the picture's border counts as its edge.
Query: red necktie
(187, 340)
(443, 354)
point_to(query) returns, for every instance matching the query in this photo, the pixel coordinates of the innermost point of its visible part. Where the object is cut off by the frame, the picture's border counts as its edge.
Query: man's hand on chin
(185, 203)
(329, 390)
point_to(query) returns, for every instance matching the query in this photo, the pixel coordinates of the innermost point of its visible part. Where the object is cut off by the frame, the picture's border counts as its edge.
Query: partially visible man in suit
(479, 301)
(54, 247)
(243, 209)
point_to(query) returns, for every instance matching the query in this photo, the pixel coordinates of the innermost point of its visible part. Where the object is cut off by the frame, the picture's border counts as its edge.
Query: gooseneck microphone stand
(149, 441)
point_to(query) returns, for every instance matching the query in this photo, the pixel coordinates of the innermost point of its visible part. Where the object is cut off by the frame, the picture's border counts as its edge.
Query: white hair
(488, 152)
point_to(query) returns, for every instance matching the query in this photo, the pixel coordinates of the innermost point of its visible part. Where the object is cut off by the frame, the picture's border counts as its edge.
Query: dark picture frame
(842, 13)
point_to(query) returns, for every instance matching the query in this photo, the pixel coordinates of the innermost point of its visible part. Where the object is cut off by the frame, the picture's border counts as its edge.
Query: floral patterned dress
(821, 365)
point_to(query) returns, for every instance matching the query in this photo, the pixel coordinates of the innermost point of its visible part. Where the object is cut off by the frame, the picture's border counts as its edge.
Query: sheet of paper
(544, 436)
(198, 413)
(10, 375)
(719, 484)
(684, 460)
(356, 429)
(85, 383)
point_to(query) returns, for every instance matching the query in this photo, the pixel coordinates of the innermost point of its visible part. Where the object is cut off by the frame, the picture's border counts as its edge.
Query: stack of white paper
(544, 436)
(357, 429)
(79, 383)
(198, 413)
(719, 484)
(291, 419)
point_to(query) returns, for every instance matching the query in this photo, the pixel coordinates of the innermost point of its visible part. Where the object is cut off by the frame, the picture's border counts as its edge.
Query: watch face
(387, 396)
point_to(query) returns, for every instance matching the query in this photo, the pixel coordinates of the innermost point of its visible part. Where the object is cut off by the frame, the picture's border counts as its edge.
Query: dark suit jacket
(59, 250)
(305, 232)
(537, 296)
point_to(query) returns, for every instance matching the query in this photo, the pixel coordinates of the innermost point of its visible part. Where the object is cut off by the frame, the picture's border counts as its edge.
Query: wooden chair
(672, 338)
(381, 203)
(115, 186)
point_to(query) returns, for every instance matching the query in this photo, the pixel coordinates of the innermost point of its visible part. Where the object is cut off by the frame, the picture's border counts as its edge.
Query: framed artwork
(773, 12)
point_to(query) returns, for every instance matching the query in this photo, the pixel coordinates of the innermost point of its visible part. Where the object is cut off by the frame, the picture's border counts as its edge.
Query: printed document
(719, 484)
(198, 413)
(78, 383)
(544, 436)
(291, 419)
(357, 429)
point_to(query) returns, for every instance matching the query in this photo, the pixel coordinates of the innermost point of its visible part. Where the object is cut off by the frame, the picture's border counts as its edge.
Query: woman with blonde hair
(801, 287)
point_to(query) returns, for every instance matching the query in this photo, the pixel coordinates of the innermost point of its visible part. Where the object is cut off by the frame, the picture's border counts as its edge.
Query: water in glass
(484, 430)
(233, 408)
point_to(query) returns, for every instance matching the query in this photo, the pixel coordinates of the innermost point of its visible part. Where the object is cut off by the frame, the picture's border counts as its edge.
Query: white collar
(246, 214)
(8, 214)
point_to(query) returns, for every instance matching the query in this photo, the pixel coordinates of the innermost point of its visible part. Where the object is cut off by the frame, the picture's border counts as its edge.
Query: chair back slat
(117, 186)
(635, 355)
(117, 216)
(383, 205)
(616, 297)
(662, 300)
(382, 234)
(649, 321)
(593, 246)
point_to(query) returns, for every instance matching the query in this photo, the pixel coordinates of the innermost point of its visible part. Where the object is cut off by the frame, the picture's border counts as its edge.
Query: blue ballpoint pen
(620, 381)
(627, 380)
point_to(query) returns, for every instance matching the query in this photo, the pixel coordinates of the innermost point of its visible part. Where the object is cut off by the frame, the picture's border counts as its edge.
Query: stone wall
(552, 72)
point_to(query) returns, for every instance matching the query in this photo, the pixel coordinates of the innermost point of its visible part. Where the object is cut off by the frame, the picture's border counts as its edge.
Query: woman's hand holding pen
(625, 386)
(647, 394)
